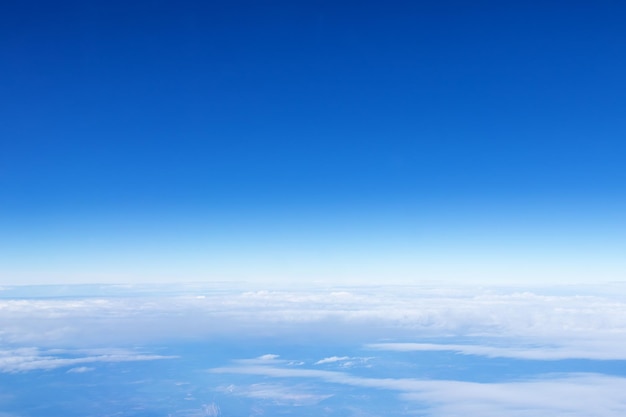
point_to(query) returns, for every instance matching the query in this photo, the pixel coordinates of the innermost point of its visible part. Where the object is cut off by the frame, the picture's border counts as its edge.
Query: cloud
(569, 322)
(332, 359)
(568, 395)
(277, 394)
(31, 359)
(573, 395)
(268, 357)
(80, 370)
(344, 361)
(580, 350)
(211, 410)
(206, 410)
(500, 322)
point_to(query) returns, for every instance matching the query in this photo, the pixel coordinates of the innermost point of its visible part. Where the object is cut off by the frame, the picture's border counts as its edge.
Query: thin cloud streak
(575, 395)
(591, 350)
(31, 359)
(277, 394)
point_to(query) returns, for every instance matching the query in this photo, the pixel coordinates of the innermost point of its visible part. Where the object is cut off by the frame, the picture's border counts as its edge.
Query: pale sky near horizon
(299, 142)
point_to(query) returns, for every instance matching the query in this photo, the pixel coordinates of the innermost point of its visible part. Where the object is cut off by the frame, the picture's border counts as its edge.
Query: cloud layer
(540, 325)
(373, 326)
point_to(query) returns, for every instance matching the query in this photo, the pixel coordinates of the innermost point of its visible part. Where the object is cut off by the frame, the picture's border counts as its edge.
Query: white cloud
(568, 395)
(268, 357)
(206, 410)
(344, 361)
(277, 394)
(511, 323)
(30, 359)
(80, 370)
(572, 395)
(577, 350)
(562, 318)
(332, 359)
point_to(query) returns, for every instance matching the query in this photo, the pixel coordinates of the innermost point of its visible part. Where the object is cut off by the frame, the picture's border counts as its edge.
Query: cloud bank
(530, 325)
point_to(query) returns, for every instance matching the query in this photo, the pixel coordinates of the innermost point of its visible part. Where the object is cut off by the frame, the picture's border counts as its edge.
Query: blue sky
(300, 141)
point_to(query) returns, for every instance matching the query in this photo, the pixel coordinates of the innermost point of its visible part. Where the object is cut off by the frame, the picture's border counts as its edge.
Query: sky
(298, 142)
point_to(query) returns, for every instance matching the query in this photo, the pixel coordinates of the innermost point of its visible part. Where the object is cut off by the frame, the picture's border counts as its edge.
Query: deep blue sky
(303, 138)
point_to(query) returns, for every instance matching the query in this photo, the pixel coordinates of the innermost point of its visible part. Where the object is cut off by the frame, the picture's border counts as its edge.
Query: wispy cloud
(575, 350)
(206, 410)
(332, 359)
(574, 395)
(278, 394)
(268, 357)
(30, 359)
(344, 361)
(80, 370)
(567, 395)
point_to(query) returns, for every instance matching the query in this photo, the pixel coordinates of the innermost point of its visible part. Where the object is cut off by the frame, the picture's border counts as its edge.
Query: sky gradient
(302, 141)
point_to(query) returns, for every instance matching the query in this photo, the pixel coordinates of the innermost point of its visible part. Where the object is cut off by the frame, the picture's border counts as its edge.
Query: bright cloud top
(520, 324)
